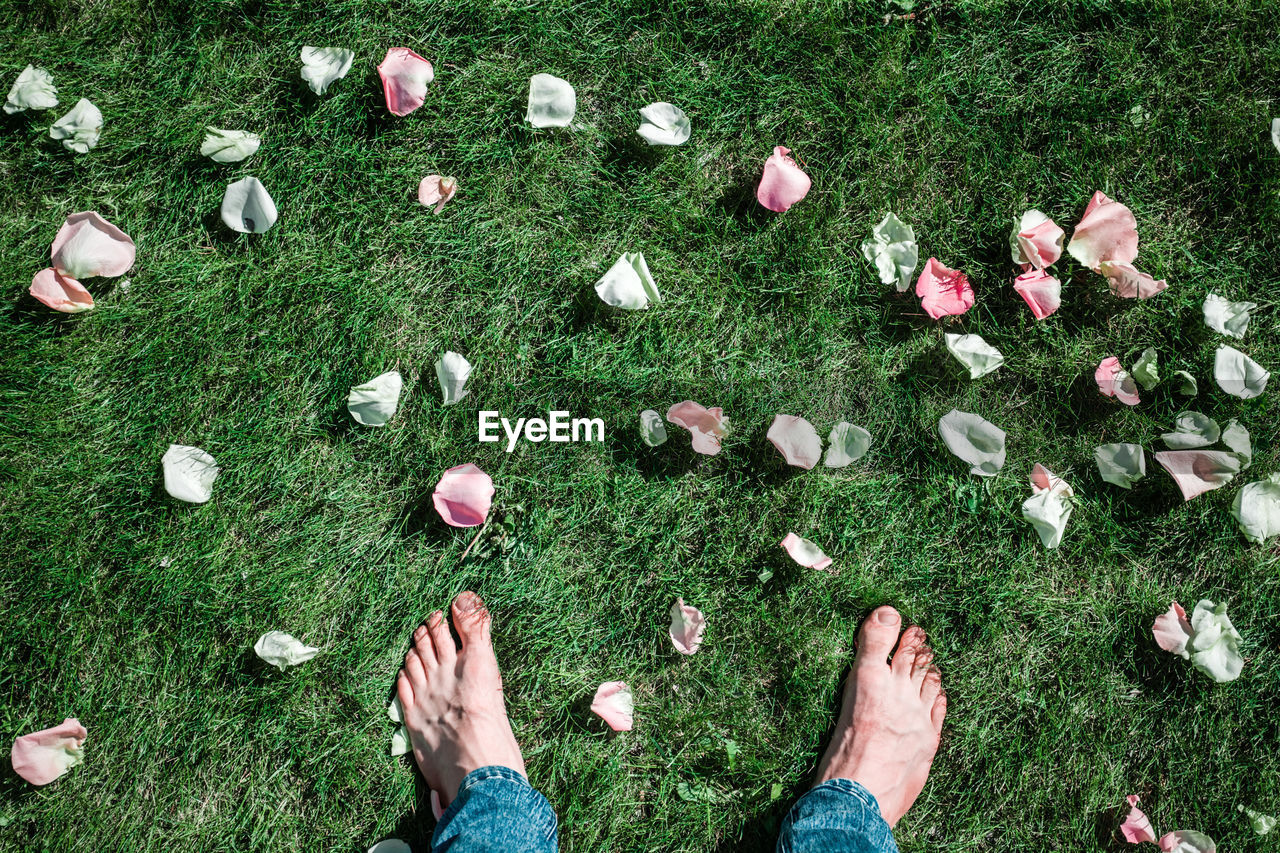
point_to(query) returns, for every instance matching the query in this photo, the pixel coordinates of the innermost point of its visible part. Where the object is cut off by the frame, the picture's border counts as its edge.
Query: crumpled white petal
(974, 440)
(1121, 464)
(628, 283)
(323, 65)
(977, 356)
(452, 372)
(845, 444)
(374, 402)
(613, 703)
(1257, 509)
(796, 440)
(1187, 841)
(189, 473)
(687, 627)
(1260, 823)
(664, 124)
(1239, 375)
(552, 101)
(80, 128)
(1192, 429)
(652, 430)
(247, 207)
(33, 90)
(893, 251)
(229, 146)
(1215, 642)
(804, 552)
(1049, 507)
(1227, 318)
(282, 650)
(1146, 370)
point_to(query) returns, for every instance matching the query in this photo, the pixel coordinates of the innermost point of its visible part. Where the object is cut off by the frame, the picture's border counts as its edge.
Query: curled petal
(1191, 430)
(79, 129)
(1257, 509)
(943, 292)
(452, 372)
(88, 245)
(33, 90)
(1041, 291)
(61, 293)
(707, 426)
(1187, 841)
(1129, 282)
(437, 190)
(1172, 630)
(1198, 471)
(43, 756)
(405, 76)
(229, 146)
(1215, 642)
(974, 440)
(463, 496)
(1108, 231)
(552, 101)
(652, 430)
(323, 65)
(687, 627)
(189, 473)
(374, 402)
(1048, 508)
(247, 207)
(1226, 317)
(1239, 375)
(783, 183)
(628, 283)
(1114, 381)
(613, 703)
(1036, 241)
(1136, 828)
(796, 440)
(893, 251)
(977, 356)
(804, 552)
(283, 650)
(664, 124)
(845, 444)
(1121, 464)
(1146, 370)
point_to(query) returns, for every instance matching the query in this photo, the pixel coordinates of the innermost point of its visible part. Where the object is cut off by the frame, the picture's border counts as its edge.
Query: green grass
(137, 614)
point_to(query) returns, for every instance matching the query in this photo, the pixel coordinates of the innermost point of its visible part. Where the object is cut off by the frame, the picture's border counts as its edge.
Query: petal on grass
(783, 182)
(943, 292)
(628, 283)
(652, 431)
(892, 250)
(1239, 375)
(1237, 440)
(1215, 642)
(707, 426)
(687, 627)
(283, 650)
(846, 444)
(437, 190)
(1129, 282)
(374, 402)
(976, 355)
(43, 756)
(394, 845)
(229, 146)
(1172, 630)
(33, 90)
(613, 703)
(1146, 370)
(464, 496)
(189, 473)
(1121, 464)
(247, 207)
(1041, 291)
(401, 742)
(1192, 429)
(1199, 471)
(87, 245)
(1114, 381)
(664, 124)
(405, 76)
(1136, 827)
(59, 292)
(1227, 318)
(80, 128)
(1187, 841)
(1257, 509)
(321, 66)
(452, 372)
(552, 101)
(1036, 241)
(1108, 231)
(1261, 824)
(974, 440)
(796, 440)
(1048, 509)
(804, 552)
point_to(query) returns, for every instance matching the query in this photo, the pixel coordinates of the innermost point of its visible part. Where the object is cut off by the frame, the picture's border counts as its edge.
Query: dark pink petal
(60, 292)
(796, 440)
(1114, 381)
(707, 426)
(463, 496)
(88, 245)
(1107, 232)
(1172, 630)
(1129, 282)
(783, 183)
(1041, 291)
(1136, 827)
(405, 76)
(614, 705)
(1199, 471)
(43, 756)
(943, 292)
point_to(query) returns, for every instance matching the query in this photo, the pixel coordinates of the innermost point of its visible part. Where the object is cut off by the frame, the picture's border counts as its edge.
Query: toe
(904, 659)
(404, 690)
(931, 685)
(879, 633)
(415, 671)
(922, 664)
(939, 711)
(446, 651)
(425, 648)
(471, 619)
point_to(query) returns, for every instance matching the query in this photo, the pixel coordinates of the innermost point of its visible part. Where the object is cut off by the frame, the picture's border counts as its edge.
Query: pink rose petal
(783, 183)
(43, 756)
(88, 245)
(1107, 232)
(463, 496)
(1199, 471)
(1042, 479)
(1041, 291)
(796, 440)
(405, 76)
(60, 292)
(1042, 244)
(1172, 630)
(687, 626)
(1136, 827)
(614, 705)
(436, 190)
(707, 426)
(943, 292)
(1114, 381)
(805, 552)
(1128, 282)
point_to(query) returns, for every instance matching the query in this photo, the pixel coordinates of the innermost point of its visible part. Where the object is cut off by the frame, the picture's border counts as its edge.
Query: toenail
(888, 616)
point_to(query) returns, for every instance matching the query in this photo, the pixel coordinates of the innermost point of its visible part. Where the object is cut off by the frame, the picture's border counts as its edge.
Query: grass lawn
(137, 614)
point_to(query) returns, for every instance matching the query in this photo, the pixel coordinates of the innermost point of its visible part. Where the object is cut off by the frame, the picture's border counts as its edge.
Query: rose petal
(892, 250)
(463, 496)
(452, 372)
(1239, 375)
(628, 283)
(1261, 824)
(804, 552)
(974, 440)
(845, 444)
(1187, 387)
(1257, 509)
(1129, 282)
(395, 711)
(1121, 464)
(59, 292)
(1187, 841)
(437, 190)
(394, 845)
(707, 426)
(1192, 429)
(613, 704)
(1146, 370)
(1215, 642)
(687, 627)
(405, 76)
(87, 245)
(1237, 440)
(1041, 291)
(1275, 133)
(282, 650)
(1036, 241)
(943, 292)
(1227, 318)
(401, 742)
(1136, 828)
(229, 146)
(552, 101)
(33, 90)
(374, 402)
(977, 356)
(43, 756)
(664, 124)
(783, 182)
(1113, 381)
(80, 128)
(247, 207)
(652, 431)
(189, 473)
(1047, 509)
(1199, 471)
(323, 65)
(1172, 630)
(1108, 231)
(796, 440)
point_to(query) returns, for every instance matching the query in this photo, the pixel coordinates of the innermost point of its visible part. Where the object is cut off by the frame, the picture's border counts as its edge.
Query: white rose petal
(189, 473)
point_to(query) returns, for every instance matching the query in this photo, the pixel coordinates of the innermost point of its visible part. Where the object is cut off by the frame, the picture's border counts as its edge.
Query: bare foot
(452, 700)
(891, 716)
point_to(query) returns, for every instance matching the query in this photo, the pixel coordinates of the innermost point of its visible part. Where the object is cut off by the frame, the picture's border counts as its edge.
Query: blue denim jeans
(497, 810)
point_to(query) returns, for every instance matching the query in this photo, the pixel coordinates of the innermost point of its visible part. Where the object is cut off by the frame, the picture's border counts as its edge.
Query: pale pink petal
(1114, 381)
(43, 756)
(405, 76)
(437, 190)
(1041, 245)
(1199, 471)
(614, 705)
(783, 183)
(805, 552)
(436, 811)
(796, 440)
(1044, 480)
(707, 426)
(1107, 232)
(1041, 291)
(943, 292)
(1129, 282)
(463, 496)
(60, 292)
(88, 245)
(1136, 827)
(1172, 630)
(687, 626)
(1187, 841)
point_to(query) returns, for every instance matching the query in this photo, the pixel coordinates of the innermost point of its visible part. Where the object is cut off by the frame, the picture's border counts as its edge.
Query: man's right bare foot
(891, 716)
